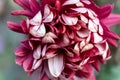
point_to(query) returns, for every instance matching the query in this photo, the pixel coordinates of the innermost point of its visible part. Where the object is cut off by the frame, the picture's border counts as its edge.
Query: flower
(66, 38)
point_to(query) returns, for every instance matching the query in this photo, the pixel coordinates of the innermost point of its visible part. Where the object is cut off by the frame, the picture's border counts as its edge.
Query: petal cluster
(66, 38)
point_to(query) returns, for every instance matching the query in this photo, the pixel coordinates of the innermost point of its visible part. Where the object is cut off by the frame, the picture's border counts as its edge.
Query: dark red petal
(105, 11)
(26, 44)
(112, 42)
(111, 20)
(27, 64)
(96, 65)
(24, 26)
(21, 51)
(23, 3)
(14, 26)
(23, 13)
(20, 60)
(35, 7)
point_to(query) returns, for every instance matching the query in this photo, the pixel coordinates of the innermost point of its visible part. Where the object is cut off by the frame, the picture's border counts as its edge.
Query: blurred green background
(9, 40)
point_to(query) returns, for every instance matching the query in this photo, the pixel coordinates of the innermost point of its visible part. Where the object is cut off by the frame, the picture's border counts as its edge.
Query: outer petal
(34, 6)
(23, 3)
(22, 12)
(111, 20)
(15, 27)
(27, 64)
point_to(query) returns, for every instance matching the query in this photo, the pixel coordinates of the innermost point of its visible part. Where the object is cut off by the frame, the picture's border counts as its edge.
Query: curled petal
(36, 20)
(38, 31)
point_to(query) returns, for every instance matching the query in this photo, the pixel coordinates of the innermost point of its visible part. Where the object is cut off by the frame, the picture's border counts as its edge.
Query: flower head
(66, 38)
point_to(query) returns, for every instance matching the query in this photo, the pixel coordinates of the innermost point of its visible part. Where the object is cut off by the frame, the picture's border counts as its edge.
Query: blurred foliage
(9, 40)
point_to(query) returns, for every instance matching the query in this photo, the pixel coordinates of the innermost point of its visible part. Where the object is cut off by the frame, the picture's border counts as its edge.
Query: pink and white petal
(97, 38)
(79, 4)
(69, 2)
(37, 64)
(80, 10)
(69, 20)
(100, 30)
(86, 2)
(65, 41)
(96, 21)
(37, 53)
(83, 18)
(87, 47)
(50, 54)
(90, 14)
(55, 65)
(76, 47)
(83, 33)
(46, 11)
(82, 44)
(51, 35)
(38, 31)
(103, 49)
(92, 26)
(49, 18)
(37, 19)
(48, 39)
(44, 50)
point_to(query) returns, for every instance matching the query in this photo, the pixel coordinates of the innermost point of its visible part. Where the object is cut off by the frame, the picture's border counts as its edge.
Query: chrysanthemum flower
(66, 38)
